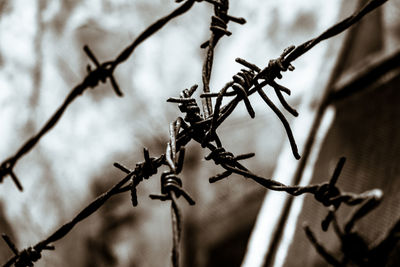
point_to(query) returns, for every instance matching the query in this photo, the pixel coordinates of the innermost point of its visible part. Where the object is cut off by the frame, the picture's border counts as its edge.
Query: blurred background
(41, 60)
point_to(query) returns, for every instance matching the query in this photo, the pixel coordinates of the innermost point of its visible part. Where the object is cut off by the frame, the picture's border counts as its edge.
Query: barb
(102, 72)
(326, 193)
(218, 29)
(332, 31)
(171, 185)
(202, 129)
(242, 88)
(26, 257)
(32, 254)
(143, 170)
(169, 180)
(281, 64)
(243, 85)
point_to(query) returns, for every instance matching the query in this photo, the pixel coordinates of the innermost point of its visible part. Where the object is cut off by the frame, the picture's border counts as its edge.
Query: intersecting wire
(202, 129)
(246, 82)
(171, 187)
(327, 193)
(101, 73)
(218, 30)
(273, 71)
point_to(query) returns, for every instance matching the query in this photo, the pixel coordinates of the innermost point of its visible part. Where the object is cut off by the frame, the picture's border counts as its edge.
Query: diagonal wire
(283, 63)
(100, 74)
(86, 212)
(326, 193)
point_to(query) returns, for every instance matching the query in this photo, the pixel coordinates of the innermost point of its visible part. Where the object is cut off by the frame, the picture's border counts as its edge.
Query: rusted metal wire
(171, 188)
(26, 257)
(332, 31)
(218, 29)
(326, 193)
(144, 170)
(202, 129)
(101, 73)
(33, 253)
(242, 88)
(282, 64)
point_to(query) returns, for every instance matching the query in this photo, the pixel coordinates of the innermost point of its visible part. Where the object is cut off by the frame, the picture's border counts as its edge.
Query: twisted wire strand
(176, 230)
(100, 74)
(171, 184)
(283, 63)
(334, 30)
(218, 29)
(32, 254)
(143, 170)
(326, 193)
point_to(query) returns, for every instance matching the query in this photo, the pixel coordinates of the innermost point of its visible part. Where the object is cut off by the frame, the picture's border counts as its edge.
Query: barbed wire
(201, 128)
(171, 188)
(100, 74)
(218, 29)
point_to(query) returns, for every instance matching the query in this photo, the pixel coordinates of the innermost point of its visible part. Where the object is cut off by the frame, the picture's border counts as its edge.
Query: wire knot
(244, 78)
(276, 66)
(27, 257)
(171, 183)
(326, 194)
(192, 111)
(228, 161)
(219, 26)
(188, 105)
(143, 170)
(148, 167)
(101, 73)
(220, 156)
(219, 22)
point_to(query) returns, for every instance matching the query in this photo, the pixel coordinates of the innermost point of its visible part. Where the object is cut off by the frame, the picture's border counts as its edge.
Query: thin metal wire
(176, 230)
(218, 29)
(283, 63)
(334, 30)
(202, 129)
(326, 193)
(32, 254)
(102, 72)
(171, 187)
